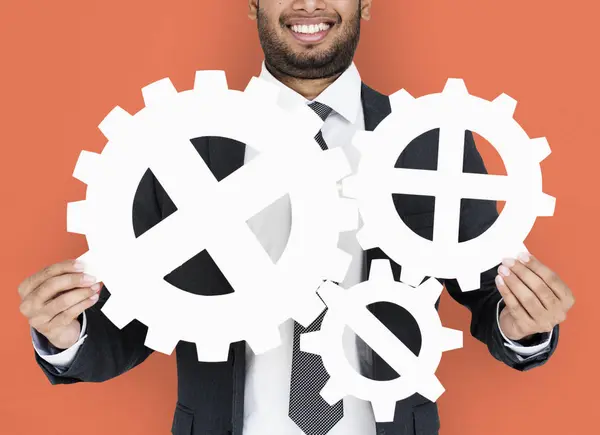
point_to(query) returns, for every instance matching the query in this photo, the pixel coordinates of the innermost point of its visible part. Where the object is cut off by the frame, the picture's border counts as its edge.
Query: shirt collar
(343, 95)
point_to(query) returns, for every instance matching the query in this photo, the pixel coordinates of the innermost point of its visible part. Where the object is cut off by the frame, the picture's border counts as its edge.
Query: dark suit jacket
(210, 395)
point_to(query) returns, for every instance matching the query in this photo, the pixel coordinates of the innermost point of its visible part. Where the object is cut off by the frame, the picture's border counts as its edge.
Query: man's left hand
(536, 298)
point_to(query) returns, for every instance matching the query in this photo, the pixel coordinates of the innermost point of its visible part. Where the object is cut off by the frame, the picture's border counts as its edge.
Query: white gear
(212, 215)
(453, 111)
(348, 308)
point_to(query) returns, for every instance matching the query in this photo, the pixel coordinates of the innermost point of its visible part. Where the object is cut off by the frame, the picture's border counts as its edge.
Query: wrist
(66, 337)
(508, 328)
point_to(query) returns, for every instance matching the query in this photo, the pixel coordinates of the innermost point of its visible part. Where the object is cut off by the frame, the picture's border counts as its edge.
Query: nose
(309, 6)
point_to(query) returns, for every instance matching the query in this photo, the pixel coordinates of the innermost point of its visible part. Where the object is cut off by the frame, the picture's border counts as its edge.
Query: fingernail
(503, 270)
(94, 297)
(79, 266)
(499, 281)
(96, 287)
(524, 257)
(508, 262)
(88, 279)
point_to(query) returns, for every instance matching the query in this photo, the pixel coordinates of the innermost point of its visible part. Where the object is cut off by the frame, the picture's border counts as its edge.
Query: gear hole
(493, 162)
(404, 327)
(418, 211)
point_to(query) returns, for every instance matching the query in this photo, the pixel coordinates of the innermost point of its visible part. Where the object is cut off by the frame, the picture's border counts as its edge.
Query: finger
(66, 317)
(34, 281)
(66, 301)
(510, 300)
(35, 301)
(524, 295)
(55, 286)
(554, 283)
(536, 284)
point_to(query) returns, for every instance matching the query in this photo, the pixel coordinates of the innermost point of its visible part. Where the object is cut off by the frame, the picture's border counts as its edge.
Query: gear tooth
(90, 264)
(336, 163)
(308, 122)
(431, 290)
(160, 342)
(312, 342)
(78, 217)
(361, 141)
(332, 294)
(523, 248)
(117, 311)
(87, 167)
(212, 351)
(401, 100)
(366, 238)
(470, 282)
(115, 122)
(156, 93)
(347, 215)
(381, 270)
(505, 104)
(262, 91)
(455, 86)
(338, 265)
(210, 81)
(351, 186)
(451, 339)
(266, 340)
(545, 204)
(308, 309)
(332, 392)
(411, 276)
(384, 410)
(431, 388)
(541, 148)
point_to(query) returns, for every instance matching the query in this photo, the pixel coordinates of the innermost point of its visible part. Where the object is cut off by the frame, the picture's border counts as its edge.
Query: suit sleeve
(109, 351)
(476, 217)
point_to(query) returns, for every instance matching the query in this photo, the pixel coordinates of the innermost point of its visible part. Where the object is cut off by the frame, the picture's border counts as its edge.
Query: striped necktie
(323, 111)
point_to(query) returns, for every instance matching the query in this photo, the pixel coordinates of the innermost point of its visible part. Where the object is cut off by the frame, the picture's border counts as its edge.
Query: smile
(310, 33)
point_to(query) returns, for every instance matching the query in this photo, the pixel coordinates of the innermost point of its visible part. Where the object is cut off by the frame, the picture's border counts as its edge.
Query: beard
(315, 63)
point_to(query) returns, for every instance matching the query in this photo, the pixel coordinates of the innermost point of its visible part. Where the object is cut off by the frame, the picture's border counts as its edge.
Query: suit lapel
(376, 107)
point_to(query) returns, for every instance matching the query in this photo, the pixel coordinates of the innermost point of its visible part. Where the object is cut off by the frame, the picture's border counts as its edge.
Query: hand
(536, 298)
(54, 297)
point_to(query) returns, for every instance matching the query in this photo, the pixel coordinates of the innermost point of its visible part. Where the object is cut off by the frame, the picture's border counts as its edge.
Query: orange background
(65, 64)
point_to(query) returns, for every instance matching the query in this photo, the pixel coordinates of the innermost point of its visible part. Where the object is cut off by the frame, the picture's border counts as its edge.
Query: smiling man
(309, 47)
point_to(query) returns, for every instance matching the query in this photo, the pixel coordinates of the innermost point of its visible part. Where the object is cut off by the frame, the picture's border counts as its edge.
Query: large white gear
(453, 111)
(348, 308)
(212, 215)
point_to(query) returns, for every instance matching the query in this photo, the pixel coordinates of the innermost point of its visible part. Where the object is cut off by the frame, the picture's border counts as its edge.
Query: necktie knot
(323, 110)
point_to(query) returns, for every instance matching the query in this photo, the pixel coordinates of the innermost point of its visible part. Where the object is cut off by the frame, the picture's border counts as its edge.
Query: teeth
(310, 29)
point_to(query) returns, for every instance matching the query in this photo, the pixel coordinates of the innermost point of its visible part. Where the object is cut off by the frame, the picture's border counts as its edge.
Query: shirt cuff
(526, 351)
(60, 359)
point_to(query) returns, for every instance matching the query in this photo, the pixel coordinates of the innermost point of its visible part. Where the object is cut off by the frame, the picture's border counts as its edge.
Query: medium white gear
(212, 215)
(453, 111)
(348, 308)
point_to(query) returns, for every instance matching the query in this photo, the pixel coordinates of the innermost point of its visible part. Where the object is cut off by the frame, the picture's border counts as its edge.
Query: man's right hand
(53, 298)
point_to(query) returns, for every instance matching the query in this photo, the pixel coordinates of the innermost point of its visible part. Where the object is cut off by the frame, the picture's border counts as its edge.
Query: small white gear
(453, 111)
(212, 215)
(348, 308)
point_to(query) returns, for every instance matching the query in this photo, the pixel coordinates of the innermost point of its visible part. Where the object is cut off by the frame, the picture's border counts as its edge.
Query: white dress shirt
(268, 375)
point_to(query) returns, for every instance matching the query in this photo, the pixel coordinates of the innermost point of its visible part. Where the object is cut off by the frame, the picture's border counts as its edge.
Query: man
(309, 47)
